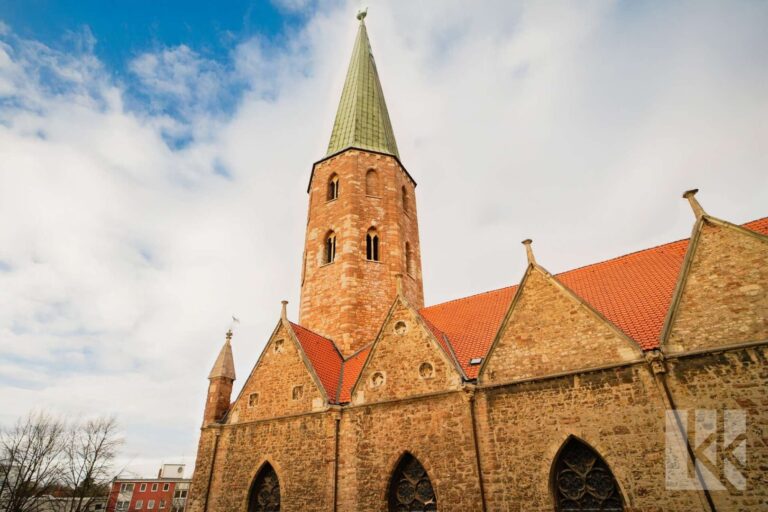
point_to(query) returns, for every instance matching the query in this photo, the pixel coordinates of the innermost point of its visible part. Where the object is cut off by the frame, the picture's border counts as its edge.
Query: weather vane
(362, 13)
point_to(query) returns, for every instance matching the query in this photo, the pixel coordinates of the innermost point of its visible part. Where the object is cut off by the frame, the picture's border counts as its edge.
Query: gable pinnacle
(529, 250)
(362, 120)
(690, 195)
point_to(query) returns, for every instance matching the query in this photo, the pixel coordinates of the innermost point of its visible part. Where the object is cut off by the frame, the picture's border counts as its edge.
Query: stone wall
(725, 297)
(732, 380)
(348, 299)
(405, 361)
(549, 331)
(281, 382)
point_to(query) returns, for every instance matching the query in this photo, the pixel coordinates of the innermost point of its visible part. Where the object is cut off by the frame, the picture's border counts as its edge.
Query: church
(636, 384)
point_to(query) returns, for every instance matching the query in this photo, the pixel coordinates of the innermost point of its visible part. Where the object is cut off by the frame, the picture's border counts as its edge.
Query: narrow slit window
(404, 197)
(333, 187)
(330, 248)
(372, 245)
(408, 258)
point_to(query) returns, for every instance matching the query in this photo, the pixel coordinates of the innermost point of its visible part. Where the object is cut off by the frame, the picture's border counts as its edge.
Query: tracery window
(333, 187)
(372, 245)
(265, 491)
(410, 488)
(583, 481)
(330, 248)
(371, 183)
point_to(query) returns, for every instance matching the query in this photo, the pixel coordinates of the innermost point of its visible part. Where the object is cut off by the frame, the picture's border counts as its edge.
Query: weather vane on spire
(362, 13)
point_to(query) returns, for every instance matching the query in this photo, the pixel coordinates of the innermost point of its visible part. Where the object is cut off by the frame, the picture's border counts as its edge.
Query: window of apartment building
(142, 487)
(126, 487)
(139, 504)
(162, 502)
(180, 494)
(150, 504)
(154, 487)
(122, 505)
(166, 487)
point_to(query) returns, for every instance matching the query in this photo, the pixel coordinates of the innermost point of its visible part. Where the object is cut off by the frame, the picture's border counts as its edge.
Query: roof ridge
(466, 297)
(357, 352)
(322, 336)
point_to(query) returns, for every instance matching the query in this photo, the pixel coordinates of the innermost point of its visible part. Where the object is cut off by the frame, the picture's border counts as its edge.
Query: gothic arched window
(581, 480)
(265, 491)
(372, 245)
(408, 259)
(329, 252)
(410, 488)
(371, 183)
(333, 187)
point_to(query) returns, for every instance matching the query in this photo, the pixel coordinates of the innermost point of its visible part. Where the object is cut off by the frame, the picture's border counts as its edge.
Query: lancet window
(329, 251)
(372, 245)
(410, 488)
(265, 491)
(583, 481)
(333, 187)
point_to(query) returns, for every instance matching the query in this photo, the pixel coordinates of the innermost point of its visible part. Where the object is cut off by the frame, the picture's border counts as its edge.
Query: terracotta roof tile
(324, 357)
(352, 368)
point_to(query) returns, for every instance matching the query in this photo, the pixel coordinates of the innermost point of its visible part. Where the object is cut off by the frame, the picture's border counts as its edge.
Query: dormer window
(330, 248)
(372, 245)
(333, 187)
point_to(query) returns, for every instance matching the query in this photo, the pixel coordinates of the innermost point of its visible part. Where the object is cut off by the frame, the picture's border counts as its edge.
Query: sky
(154, 158)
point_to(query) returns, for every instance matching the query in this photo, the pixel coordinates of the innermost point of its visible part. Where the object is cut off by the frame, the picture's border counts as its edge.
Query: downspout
(471, 394)
(337, 423)
(658, 369)
(210, 473)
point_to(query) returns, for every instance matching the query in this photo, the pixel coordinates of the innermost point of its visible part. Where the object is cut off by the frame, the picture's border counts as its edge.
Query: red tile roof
(324, 357)
(633, 292)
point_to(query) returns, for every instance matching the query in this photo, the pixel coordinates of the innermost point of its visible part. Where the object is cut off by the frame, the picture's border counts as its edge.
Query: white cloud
(123, 259)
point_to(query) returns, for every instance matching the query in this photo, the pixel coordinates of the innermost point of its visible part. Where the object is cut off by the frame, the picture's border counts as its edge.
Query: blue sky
(154, 158)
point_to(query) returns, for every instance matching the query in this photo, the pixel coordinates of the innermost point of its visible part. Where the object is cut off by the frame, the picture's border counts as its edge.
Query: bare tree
(30, 462)
(41, 456)
(87, 454)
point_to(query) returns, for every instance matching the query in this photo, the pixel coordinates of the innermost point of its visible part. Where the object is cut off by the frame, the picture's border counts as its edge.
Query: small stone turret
(220, 379)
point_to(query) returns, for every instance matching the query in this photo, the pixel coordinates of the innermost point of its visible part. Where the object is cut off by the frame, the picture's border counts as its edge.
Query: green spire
(362, 120)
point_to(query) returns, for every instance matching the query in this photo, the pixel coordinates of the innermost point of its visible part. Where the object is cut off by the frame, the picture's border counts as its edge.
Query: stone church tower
(362, 228)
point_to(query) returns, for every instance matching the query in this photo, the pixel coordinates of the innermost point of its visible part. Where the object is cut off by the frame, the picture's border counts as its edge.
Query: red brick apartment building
(166, 493)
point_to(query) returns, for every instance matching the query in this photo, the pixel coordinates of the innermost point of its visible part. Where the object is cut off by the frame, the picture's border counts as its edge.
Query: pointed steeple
(225, 363)
(362, 120)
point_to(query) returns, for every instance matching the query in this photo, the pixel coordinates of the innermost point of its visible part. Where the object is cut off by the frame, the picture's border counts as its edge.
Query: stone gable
(724, 296)
(549, 331)
(405, 360)
(280, 383)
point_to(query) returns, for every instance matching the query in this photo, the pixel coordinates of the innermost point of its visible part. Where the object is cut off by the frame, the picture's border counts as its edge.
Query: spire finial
(229, 335)
(529, 250)
(284, 310)
(361, 14)
(690, 195)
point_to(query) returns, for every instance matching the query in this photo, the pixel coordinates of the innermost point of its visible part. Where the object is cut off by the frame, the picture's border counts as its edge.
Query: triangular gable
(405, 359)
(548, 329)
(723, 279)
(324, 358)
(270, 389)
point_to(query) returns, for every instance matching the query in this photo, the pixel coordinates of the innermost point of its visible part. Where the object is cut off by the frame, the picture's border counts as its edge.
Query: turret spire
(362, 120)
(225, 363)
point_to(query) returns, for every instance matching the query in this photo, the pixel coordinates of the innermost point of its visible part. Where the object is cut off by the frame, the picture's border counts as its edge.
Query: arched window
(410, 487)
(329, 253)
(581, 480)
(371, 183)
(408, 258)
(372, 245)
(333, 187)
(265, 491)
(404, 197)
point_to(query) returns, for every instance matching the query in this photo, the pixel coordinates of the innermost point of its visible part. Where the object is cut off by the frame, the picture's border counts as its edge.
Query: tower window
(408, 259)
(371, 183)
(330, 248)
(372, 245)
(333, 187)
(404, 197)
